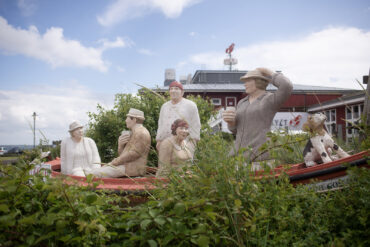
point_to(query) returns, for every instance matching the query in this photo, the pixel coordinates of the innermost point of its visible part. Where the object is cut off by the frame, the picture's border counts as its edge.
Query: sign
(289, 121)
(331, 184)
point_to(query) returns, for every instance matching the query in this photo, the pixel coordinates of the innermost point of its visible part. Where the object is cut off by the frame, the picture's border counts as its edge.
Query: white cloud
(27, 7)
(146, 52)
(332, 57)
(56, 108)
(122, 10)
(192, 34)
(120, 69)
(53, 48)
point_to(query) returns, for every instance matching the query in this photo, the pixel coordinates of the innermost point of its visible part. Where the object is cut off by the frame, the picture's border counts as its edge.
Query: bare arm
(165, 153)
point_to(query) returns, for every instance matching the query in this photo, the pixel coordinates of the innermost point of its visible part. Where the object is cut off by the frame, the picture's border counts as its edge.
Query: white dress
(79, 158)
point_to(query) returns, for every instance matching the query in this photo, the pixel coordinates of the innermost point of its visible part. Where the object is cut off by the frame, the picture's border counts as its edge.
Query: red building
(224, 88)
(343, 114)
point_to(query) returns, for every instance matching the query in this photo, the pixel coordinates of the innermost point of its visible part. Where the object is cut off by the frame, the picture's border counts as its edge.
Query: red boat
(328, 173)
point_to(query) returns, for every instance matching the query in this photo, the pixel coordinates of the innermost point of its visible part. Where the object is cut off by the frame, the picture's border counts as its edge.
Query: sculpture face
(176, 93)
(250, 86)
(78, 133)
(182, 132)
(130, 122)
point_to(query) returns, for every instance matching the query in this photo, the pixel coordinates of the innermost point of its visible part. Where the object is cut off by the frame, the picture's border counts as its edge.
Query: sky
(62, 58)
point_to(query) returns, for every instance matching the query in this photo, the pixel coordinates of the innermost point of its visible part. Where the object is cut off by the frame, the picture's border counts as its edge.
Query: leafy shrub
(216, 203)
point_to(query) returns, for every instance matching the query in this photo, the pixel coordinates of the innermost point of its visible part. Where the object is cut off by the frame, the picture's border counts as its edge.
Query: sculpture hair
(178, 123)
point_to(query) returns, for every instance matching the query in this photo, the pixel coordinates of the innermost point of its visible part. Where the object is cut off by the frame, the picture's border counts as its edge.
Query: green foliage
(105, 126)
(217, 202)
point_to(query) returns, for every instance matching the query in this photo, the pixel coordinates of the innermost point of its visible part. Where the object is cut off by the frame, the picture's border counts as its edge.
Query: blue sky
(61, 58)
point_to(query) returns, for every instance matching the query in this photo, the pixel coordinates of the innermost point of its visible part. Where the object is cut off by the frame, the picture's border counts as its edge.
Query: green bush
(219, 203)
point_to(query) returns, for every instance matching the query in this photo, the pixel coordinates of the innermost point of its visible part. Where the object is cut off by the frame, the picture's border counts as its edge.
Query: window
(216, 101)
(353, 116)
(330, 122)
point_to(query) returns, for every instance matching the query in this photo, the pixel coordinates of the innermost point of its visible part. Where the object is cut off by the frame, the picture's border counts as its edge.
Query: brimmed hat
(254, 74)
(74, 125)
(136, 113)
(176, 84)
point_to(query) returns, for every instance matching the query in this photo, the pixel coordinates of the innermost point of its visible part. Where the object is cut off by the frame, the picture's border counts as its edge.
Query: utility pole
(34, 129)
(366, 113)
(367, 101)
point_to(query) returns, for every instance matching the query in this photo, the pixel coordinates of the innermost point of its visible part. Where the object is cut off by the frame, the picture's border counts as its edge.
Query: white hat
(254, 74)
(74, 125)
(136, 113)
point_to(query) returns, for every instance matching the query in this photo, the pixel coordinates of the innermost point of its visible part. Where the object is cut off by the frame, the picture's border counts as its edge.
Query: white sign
(289, 120)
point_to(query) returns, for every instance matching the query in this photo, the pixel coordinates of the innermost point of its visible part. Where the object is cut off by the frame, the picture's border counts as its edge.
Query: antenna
(34, 129)
(230, 60)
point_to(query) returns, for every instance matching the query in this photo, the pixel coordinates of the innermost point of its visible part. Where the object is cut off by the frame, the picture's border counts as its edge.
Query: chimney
(169, 76)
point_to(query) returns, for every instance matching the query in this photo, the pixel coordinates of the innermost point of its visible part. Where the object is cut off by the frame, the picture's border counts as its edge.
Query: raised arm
(283, 84)
(284, 90)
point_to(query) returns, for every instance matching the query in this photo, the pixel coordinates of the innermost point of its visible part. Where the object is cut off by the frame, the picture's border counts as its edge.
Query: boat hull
(298, 174)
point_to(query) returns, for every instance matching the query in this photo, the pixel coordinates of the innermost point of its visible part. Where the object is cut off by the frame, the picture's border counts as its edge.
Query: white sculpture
(320, 146)
(175, 152)
(178, 108)
(133, 150)
(254, 114)
(79, 154)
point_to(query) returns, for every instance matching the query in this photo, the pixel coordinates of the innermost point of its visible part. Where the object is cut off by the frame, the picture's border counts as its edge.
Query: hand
(229, 117)
(123, 140)
(266, 72)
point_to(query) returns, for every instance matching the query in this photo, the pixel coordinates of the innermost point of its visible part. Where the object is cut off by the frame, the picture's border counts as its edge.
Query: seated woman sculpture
(174, 151)
(79, 154)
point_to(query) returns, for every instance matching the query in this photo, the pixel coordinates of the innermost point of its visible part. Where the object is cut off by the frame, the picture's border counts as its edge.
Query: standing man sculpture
(133, 149)
(178, 108)
(254, 114)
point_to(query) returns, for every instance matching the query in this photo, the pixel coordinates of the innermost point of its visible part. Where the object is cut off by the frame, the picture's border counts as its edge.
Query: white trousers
(109, 171)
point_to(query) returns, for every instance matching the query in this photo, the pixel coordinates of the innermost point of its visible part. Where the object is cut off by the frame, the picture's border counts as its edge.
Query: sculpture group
(179, 131)
(177, 135)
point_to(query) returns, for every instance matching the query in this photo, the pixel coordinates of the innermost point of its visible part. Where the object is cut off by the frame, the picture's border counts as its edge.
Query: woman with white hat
(79, 154)
(254, 114)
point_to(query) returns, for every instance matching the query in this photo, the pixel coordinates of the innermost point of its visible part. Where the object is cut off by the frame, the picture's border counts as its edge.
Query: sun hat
(254, 74)
(176, 84)
(136, 113)
(74, 125)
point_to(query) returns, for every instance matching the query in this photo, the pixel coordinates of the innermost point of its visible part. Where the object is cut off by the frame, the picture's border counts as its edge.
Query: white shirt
(186, 110)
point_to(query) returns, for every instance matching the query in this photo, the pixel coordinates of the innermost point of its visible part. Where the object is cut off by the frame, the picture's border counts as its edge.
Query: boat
(329, 175)
(128, 185)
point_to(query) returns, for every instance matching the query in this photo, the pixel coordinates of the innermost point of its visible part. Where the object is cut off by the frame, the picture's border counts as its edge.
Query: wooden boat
(135, 185)
(328, 173)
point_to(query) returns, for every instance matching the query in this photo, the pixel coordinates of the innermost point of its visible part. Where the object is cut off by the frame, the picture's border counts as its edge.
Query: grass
(7, 158)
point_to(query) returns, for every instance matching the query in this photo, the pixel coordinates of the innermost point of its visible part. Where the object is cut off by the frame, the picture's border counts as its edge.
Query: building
(343, 114)
(224, 88)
